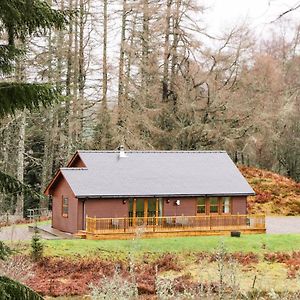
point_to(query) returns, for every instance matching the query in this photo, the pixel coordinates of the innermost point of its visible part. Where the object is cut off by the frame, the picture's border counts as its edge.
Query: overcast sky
(222, 14)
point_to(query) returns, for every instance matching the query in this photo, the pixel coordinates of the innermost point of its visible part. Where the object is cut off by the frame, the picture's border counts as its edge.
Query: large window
(225, 205)
(213, 205)
(65, 208)
(201, 205)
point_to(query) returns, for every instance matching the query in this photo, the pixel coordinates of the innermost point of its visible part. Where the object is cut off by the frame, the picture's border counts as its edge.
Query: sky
(259, 14)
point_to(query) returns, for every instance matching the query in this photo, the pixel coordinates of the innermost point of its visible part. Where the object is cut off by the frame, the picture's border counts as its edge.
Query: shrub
(115, 288)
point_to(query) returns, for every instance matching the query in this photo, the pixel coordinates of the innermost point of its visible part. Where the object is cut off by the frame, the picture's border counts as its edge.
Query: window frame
(205, 206)
(217, 205)
(65, 205)
(222, 205)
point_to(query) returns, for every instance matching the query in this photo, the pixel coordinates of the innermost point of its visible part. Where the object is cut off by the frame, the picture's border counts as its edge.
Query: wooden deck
(150, 227)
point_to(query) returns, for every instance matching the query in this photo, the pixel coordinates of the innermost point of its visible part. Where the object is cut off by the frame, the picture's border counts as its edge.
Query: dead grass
(275, 194)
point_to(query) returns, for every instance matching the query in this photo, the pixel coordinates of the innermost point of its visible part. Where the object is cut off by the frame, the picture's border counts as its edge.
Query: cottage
(164, 192)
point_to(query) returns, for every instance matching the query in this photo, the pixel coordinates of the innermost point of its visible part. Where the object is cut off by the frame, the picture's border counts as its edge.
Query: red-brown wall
(106, 208)
(239, 205)
(187, 207)
(67, 224)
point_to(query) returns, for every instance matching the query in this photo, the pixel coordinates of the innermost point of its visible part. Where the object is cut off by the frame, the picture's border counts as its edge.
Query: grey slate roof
(156, 173)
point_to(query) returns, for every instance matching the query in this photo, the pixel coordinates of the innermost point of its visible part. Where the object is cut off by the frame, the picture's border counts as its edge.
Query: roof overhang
(162, 195)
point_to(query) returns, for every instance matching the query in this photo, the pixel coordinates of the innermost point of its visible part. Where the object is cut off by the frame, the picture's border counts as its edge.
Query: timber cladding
(69, 223)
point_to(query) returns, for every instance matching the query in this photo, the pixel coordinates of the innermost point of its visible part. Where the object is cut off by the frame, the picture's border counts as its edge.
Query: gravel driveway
(283, 224)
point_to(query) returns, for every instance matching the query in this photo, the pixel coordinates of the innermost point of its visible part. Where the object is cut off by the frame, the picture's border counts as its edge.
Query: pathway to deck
(23, 232)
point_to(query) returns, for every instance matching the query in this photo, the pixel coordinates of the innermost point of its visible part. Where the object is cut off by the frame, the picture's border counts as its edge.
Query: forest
(144, 74)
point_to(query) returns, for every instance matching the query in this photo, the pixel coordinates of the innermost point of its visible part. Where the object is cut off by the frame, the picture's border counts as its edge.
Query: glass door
(143, 208)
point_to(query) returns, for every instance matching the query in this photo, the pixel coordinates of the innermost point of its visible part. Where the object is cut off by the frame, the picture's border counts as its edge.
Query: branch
(286, 12)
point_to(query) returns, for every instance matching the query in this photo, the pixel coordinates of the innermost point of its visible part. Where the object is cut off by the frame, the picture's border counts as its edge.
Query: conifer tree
(20, 19)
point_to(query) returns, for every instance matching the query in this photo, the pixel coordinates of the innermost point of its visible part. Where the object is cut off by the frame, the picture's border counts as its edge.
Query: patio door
(144, 208)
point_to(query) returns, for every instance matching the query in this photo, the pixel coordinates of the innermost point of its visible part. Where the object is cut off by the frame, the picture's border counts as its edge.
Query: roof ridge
(152, 151)
(73, 168)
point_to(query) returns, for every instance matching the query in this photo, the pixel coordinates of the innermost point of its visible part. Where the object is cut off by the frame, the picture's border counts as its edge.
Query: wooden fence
(175, 223)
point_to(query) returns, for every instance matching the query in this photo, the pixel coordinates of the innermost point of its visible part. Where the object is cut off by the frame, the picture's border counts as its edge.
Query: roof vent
(122, 152)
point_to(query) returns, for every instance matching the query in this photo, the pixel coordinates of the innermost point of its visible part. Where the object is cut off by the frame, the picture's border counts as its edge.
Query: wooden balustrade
(175, 223)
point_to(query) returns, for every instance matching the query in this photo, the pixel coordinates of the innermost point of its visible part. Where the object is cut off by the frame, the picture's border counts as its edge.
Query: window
(225, 205)
(65, 208)
(201, 209)
(213, 205)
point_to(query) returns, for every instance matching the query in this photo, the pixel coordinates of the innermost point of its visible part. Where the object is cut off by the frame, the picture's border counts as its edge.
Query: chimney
(122, 152)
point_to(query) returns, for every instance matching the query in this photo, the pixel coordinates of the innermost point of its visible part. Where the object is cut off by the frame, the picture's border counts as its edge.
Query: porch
(126, 228)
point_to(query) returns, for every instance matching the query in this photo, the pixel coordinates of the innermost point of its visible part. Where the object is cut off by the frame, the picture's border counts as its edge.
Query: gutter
(162, 195)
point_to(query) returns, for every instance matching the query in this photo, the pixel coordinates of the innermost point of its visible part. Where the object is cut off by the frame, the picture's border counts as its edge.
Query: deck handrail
(175, 223)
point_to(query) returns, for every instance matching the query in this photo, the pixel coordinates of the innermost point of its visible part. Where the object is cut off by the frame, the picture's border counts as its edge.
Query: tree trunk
(20, 162)
(121, 67)
(165, 83)
(104, 57)
(174, 62)
(145, 50)
(81, 75)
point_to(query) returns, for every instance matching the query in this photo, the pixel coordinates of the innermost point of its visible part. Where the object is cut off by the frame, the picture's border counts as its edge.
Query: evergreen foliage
(20, 19)
(10, 289)
(37, 247)
(4, 251)
(14, 96)
(10, 185)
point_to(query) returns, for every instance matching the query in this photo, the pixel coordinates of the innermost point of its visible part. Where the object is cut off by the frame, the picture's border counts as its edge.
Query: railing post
(124, 225)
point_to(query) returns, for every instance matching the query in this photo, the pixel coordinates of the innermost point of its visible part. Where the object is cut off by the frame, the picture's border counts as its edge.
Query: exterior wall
(239, 205)
(77, 163)
(187, 206)
(67, 224)
(80, 215)
(106, 208)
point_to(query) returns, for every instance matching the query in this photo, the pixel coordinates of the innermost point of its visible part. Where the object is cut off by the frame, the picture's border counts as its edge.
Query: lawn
(258, 243)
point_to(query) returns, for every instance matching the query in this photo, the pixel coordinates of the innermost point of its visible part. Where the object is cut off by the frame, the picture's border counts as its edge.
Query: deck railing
(175, 223)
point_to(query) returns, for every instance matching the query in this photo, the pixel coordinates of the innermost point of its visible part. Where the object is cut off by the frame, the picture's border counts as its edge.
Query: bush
(115, 288)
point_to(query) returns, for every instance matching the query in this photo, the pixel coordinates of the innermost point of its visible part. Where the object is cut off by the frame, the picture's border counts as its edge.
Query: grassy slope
(275, 194)
(256, 243)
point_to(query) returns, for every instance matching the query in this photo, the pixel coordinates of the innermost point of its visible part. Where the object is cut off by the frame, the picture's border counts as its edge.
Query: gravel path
(283, 224)
(20, 233)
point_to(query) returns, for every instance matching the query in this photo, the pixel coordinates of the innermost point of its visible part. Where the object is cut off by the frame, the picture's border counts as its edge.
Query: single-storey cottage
(163, 191)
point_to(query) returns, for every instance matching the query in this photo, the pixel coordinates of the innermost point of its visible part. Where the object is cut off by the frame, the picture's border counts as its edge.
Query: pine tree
(20, 19)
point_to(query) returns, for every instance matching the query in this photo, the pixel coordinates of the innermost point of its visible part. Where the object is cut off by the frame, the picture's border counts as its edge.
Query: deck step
(81, 234)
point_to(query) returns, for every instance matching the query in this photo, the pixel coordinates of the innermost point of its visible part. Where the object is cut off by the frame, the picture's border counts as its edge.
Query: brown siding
(239, 205)
(67, 224)
(80, 217)
(106, 208)
(77, 163)
(187, 207)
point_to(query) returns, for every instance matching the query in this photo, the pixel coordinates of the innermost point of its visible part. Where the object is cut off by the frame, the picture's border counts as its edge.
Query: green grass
(259, 243)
